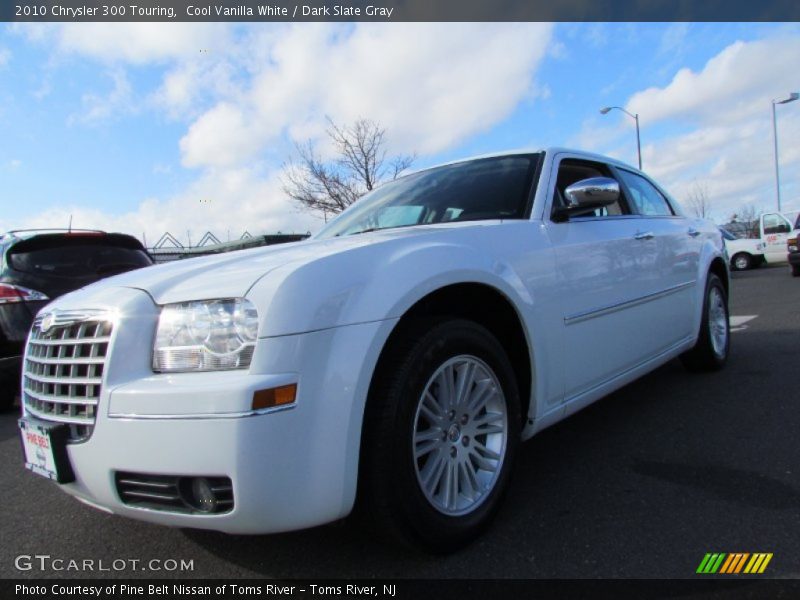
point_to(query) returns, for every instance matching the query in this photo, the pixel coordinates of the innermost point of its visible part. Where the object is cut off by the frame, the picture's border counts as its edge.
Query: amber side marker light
(279, 396)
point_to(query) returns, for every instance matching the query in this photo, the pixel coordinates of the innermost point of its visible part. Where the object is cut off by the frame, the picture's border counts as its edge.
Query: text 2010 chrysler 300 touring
(397, 357)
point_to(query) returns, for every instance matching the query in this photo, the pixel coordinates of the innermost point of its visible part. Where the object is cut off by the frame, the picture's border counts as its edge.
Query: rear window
(77, 258)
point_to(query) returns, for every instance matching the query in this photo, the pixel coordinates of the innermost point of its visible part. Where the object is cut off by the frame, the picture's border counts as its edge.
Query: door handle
(644, 235)
(693, 232)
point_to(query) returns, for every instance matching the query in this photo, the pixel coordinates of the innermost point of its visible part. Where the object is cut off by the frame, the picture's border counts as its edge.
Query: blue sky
(184, 127)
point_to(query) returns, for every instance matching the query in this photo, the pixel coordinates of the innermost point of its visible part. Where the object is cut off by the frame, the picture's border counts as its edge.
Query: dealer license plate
(45, 448)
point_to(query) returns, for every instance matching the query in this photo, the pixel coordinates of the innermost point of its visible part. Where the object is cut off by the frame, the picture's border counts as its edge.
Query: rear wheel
(440, 434)
(713, 343)
(742, 261)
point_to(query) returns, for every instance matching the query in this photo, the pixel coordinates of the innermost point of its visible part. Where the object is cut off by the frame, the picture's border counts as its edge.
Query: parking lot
(641, 484)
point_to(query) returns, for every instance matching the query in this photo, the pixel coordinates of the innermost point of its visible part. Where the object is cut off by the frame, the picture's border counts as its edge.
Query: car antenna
(69, 228)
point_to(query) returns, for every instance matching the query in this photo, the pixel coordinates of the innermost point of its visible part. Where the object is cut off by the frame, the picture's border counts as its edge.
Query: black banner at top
(398, 10)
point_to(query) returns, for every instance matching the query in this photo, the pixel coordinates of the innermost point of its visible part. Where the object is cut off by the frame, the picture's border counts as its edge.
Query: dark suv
(793, 248)
(37, 266)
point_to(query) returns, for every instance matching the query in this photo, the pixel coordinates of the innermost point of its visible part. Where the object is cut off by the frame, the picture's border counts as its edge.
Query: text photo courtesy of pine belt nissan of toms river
(393, 362)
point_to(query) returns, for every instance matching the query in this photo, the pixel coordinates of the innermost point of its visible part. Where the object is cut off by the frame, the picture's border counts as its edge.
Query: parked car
(745, 253)
(398, 357)
(37, 266)
(793, 249)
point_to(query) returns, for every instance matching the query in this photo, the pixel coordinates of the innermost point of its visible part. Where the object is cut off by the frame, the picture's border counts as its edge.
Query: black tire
(704, 356)
(795, 270)
(9, 388)
(390, 493)
(742, 261)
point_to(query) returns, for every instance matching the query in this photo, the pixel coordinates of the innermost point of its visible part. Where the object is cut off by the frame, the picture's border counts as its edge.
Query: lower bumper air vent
(176, 493)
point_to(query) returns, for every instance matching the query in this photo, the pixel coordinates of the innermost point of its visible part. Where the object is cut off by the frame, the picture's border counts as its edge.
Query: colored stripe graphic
(758, 563)
(733, 563)
(711, 563)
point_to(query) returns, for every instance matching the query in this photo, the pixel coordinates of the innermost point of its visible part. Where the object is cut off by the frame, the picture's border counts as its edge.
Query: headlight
(208, 335)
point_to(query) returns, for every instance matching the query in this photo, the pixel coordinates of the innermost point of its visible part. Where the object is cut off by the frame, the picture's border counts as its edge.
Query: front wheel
(742, 261)
(440, 434)
(710, 353)
(795, 270)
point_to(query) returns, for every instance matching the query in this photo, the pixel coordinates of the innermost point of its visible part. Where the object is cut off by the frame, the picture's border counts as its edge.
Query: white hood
(232, 274)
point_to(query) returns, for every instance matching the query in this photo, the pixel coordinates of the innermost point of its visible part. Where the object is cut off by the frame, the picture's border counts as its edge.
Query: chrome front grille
(64, 365)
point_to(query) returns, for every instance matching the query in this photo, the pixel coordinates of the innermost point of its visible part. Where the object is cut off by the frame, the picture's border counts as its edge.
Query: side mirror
(592, 193)
(588, 194)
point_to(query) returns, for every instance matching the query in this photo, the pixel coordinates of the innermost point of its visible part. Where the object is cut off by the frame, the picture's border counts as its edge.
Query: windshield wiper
(369, 229)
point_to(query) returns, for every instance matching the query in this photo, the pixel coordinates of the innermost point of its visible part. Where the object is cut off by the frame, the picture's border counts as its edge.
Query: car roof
(26, 234)
(520, 151)
(15, 236)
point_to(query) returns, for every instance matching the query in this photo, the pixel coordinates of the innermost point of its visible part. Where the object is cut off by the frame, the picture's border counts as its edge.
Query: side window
(774, 223)
(644, 196)
(571, 171)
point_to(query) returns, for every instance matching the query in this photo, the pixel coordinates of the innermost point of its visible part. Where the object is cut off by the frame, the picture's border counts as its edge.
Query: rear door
(671, 275)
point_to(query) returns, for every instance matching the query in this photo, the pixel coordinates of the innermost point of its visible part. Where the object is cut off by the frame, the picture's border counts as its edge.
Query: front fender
(379, 281)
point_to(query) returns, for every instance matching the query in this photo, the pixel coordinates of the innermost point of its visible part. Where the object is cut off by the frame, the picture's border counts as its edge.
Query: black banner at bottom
(398, 589)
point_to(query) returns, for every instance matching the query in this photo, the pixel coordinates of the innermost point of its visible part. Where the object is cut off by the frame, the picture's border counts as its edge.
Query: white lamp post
(792, 97)
(604, 111)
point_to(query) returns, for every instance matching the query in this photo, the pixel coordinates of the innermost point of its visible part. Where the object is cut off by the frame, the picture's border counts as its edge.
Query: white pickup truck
(745, 253)
(769, 246)
(774, 229)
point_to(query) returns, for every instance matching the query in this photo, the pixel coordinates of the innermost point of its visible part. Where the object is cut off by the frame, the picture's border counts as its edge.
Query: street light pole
(792, 97)
(604, 111)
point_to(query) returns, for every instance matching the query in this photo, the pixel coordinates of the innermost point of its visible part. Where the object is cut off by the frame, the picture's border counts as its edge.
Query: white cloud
(673, 38)
(430, 85)
(723, 113)
(224, 202)
(736, 83)
(136, 43)
(14, 164)
(245, 90)
(97, 108)
(223, 136)
(5, 57)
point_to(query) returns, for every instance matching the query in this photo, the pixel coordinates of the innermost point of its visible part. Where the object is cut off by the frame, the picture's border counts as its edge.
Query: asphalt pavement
(642, 484)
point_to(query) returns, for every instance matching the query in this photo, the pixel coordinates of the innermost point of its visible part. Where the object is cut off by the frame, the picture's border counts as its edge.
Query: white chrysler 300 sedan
(394, 361)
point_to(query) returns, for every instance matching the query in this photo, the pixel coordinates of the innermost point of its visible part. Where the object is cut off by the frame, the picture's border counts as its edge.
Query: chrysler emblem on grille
(47, 323)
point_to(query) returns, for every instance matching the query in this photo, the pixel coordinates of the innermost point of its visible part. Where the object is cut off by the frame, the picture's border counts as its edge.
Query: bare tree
(698, 200)
(360, 165)
(747, 216)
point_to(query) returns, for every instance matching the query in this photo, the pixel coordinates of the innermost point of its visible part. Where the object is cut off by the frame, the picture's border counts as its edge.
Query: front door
(775, 230)
(604, 260)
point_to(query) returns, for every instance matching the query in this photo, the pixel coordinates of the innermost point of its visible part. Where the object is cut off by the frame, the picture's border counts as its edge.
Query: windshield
(482, 189)
(727, 234)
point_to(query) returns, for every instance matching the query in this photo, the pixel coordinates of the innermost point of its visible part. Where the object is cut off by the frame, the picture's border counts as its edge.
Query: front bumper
(289, 468)
(279, 483)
